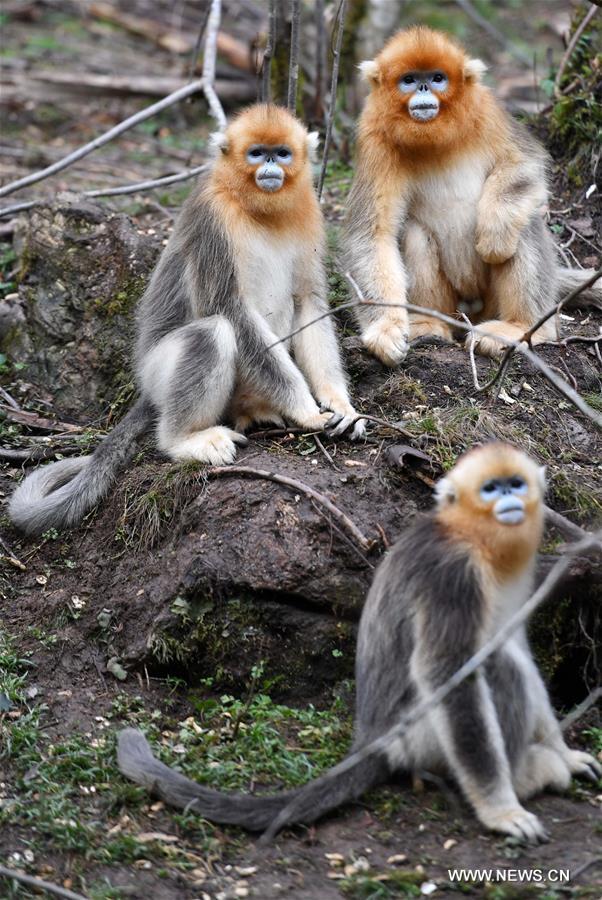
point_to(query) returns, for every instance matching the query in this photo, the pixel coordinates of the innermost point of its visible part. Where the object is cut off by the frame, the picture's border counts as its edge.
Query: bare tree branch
(570, 49)
(380, 744)
(266, 66)
(531, 331)
(320, 60)
(193, 88)
(333, 91)
(583, 707)
(199, 38)
(293, 68)
(337, 514)
(113, 192)
(209, 60)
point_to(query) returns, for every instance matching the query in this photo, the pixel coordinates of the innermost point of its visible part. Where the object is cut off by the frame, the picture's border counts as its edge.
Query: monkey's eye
(255, 154)
(438, 77)
(489, 488)
(284, 154)
(518, 484)
(408, 79)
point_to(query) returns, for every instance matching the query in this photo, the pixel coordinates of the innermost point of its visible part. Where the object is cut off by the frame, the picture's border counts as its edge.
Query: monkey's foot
(516, 822)
(429, 328)
(583, 765)
(387, 340)
(216, 446)
(541, 768)
(491, 346)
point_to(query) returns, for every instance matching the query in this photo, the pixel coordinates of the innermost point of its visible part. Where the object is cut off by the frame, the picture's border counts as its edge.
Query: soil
(264, 574)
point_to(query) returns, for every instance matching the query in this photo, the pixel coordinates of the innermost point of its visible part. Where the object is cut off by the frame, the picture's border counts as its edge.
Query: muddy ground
(220, 613)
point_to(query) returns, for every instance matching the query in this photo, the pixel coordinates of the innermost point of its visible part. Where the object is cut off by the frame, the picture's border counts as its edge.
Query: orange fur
(504, 549)
(294, 208)
(469, 117)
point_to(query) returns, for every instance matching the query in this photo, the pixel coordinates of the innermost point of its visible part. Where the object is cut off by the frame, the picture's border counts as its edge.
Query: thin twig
(39, 884)
(561, 386)
(344, 520)
(293, 66)
(10, 556)
(527, 336)
(116, 191)
(193, 88)
(333, 91)
(380, 744)
(494, 32)
(199, 38)
(583, 707)
(325, 453)
(320, 60)
(209, 60)
(268, 53)
(569, 50)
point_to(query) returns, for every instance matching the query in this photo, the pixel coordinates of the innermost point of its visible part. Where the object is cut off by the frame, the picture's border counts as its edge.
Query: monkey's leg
(547, 731)
(469, 733)
(520, 291)
(541, 767)
(189, 376)
(428, 285)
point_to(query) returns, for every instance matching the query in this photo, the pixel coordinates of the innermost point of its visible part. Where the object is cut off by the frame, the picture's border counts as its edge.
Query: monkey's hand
(343, 415)
(496, 241)
(514, 821)
(583, 765)
(387, 339)
(311, 421)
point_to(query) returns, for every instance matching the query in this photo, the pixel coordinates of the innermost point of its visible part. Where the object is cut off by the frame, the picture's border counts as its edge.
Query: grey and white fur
(432, 604)
(226, 289)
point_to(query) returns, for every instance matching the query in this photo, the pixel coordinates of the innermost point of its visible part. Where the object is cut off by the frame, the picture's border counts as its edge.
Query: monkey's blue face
(271, 165)
(506, 496)
(424, 87)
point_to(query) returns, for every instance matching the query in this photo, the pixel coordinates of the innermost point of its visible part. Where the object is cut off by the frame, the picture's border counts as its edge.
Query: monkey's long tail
(136, 761)
(569, 279)
(60, 494)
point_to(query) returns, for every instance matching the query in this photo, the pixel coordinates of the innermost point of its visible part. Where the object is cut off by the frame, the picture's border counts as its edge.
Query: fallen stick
(89, 83)
(341, 517)
(39, 884)
(112, 192)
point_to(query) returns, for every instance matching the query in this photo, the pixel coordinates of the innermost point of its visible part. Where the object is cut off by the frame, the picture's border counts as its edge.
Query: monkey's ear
(445, 492)
(370, 72)
(474, 69)
(543, 481)
(313, 142)
(218, 142)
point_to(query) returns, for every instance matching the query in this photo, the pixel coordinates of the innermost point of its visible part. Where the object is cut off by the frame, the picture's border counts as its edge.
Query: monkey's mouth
(269, 183)
(424, 113)
(509, 511)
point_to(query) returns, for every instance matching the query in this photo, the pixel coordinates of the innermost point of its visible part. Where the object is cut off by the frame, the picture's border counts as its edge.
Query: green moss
(124, 302)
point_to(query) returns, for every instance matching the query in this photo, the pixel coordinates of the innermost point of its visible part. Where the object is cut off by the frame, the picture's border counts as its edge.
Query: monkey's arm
(514, 191)
(377, 207)
(266, 365)
(465, 724)
(316, 347)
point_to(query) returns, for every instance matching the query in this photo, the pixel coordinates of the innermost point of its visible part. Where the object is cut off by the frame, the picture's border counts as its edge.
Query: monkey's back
(423, 571)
